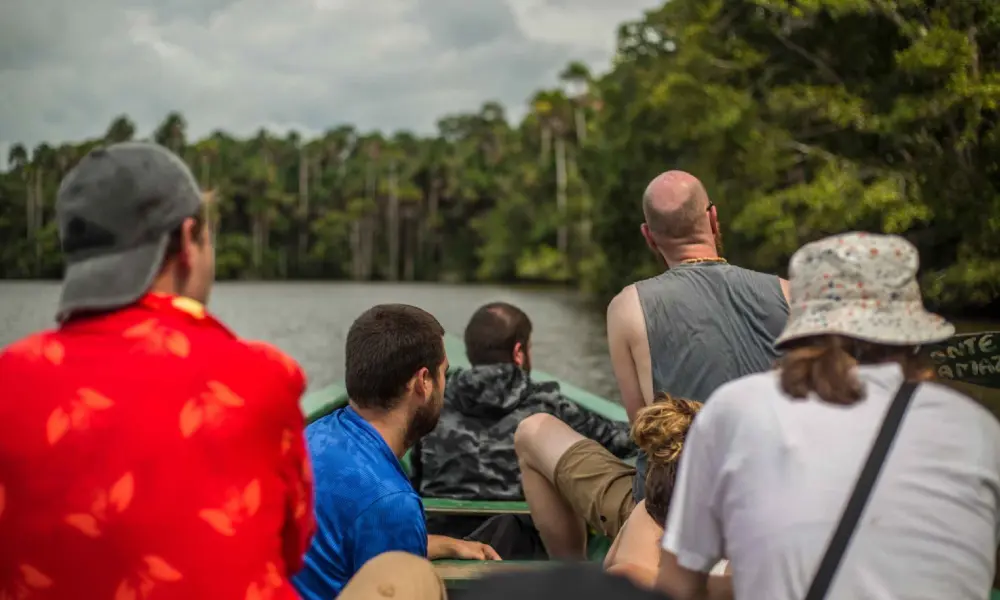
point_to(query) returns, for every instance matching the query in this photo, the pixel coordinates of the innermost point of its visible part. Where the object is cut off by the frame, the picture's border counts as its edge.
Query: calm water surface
(310, 320)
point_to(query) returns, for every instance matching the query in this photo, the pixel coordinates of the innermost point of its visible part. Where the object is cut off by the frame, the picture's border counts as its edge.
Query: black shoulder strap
(862, 491)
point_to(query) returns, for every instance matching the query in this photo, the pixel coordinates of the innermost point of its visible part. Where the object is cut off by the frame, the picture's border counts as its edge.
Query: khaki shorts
(597, 484)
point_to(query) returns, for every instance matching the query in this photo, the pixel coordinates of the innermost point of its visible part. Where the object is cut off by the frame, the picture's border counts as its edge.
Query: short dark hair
(493, 331)
(386, 346)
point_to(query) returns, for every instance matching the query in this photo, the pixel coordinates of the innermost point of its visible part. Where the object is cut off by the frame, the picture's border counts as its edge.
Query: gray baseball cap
(116, 210)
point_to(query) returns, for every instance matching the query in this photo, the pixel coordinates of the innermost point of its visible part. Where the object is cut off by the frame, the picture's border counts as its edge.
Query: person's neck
(391, 425)
(166, 284)
(689, 252)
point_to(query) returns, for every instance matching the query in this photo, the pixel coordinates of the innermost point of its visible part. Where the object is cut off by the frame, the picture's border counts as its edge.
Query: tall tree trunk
(282, 262)
(563, 232)
(356, 250)
(586, 208)
(368, 247)
(581, 126)
(258, 243)
(392, 224)
(205, 172)
(303, 205)
(216, 212)
(368, 224)
(29, 204)
(410, 248)
(39, 221)
(546, 145)
(265, 235)
(430, 236)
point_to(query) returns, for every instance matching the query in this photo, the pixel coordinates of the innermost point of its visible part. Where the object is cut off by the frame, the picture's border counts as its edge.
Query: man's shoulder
(958, 407)
(629, 295)
(625, 309)
(329, 434)
(388, 501)
(44, 348)
(258, 370)
(280, 365)
(342, 452)
(452, 426)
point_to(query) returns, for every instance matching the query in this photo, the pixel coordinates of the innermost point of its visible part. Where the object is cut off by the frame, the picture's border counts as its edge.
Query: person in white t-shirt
(772, 459)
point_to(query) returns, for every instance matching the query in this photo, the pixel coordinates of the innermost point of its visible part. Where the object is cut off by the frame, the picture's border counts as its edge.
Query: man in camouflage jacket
(470, 454)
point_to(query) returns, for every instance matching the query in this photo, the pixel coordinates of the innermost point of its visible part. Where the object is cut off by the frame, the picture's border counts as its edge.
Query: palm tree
(576, 76)
(552, 108)
(18, 160)
(122, 129)
(171, 132)
(43, 163)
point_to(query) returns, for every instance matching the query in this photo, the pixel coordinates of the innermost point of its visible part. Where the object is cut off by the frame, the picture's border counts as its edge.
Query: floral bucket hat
(863, 286)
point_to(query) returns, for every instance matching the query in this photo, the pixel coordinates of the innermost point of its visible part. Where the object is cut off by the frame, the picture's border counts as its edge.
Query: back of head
(675, 204)
(493, 332)
(827, 366)
(660, 430)
(117, 210)
(854, 300)
(386, 346)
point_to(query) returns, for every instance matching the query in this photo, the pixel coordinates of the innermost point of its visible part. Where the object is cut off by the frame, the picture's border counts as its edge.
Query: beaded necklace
(692, 261)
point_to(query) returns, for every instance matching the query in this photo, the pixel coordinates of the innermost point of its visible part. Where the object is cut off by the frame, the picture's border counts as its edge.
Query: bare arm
(679, 583)
(638, 542)
(720, 587)
(626, 330)
(786, 289)
(635, 555)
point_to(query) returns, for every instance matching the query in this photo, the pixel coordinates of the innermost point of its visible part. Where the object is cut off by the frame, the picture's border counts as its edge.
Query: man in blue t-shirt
(365, 504)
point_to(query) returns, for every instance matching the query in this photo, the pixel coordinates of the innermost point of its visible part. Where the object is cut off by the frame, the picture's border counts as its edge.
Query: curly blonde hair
(660, 430)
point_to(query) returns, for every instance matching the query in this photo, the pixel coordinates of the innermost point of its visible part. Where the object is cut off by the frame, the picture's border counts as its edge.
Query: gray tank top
(707, 324)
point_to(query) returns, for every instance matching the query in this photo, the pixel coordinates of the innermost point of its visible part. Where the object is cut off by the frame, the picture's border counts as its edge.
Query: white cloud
(67, 67)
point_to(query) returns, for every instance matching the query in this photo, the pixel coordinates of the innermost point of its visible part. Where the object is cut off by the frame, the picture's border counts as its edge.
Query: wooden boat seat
(474, 507)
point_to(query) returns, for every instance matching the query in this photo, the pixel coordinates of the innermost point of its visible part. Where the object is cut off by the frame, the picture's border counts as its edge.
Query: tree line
(803, 118)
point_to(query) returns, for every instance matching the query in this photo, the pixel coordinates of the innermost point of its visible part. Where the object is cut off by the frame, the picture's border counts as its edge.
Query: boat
(322, 402)
(457, 573)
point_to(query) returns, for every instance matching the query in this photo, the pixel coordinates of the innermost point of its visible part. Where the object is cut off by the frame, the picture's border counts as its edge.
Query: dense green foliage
(803, 118)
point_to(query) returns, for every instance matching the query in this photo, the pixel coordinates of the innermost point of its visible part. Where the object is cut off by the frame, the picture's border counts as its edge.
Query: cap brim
(112, 280)
(899, 329)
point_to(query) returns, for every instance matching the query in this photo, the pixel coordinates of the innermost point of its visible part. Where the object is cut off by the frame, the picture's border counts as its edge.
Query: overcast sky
(67, 67)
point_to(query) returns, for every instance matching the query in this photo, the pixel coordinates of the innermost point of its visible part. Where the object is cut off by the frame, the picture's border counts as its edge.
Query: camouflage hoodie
(470, 454)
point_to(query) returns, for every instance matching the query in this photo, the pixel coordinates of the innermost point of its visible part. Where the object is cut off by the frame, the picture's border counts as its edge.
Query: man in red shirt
(145, 450)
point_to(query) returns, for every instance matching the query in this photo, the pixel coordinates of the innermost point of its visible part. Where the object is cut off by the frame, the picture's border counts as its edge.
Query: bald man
(699, 324)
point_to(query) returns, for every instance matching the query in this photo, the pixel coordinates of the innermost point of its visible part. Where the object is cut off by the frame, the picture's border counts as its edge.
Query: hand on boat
(466, 550)
(441, 546)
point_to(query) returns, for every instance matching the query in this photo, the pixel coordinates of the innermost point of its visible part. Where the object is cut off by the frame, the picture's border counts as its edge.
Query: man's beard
(424, 421)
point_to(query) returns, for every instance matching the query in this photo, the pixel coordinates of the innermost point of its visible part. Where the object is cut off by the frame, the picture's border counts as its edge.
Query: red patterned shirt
(151, 454)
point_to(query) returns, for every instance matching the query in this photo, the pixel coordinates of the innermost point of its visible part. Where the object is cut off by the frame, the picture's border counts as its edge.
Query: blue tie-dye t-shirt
(365, 505)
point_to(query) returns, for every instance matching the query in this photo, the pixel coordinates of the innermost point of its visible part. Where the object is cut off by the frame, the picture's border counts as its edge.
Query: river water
(310, 320)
